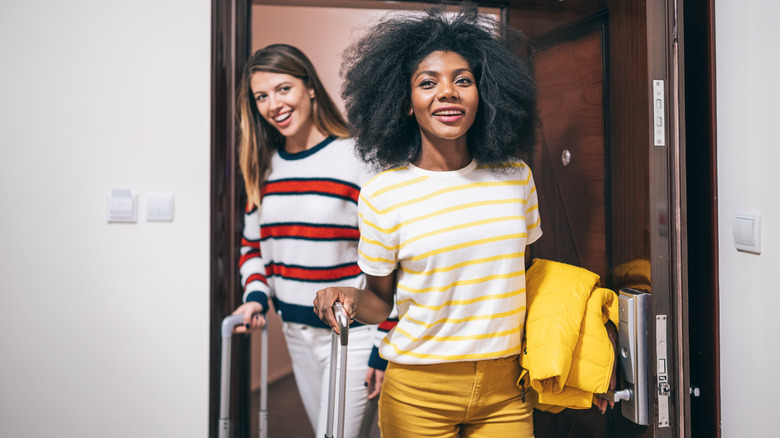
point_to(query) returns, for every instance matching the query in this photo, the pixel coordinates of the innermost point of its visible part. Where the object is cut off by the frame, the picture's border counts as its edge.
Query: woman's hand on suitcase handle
(325, 298)
(253, 317)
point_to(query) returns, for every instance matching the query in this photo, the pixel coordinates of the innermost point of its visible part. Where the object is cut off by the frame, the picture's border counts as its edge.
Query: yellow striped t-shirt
(458, 241)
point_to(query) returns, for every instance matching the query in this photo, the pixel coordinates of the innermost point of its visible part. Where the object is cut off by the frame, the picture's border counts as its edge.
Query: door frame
(231, 27)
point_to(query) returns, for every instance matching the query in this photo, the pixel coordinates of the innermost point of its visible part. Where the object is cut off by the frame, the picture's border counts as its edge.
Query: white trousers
(310, 353)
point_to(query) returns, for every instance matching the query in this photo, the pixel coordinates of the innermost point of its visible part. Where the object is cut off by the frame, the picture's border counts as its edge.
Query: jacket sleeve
(250, 264)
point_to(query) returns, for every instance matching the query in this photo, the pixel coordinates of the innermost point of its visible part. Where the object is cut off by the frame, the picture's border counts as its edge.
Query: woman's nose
(447, 91)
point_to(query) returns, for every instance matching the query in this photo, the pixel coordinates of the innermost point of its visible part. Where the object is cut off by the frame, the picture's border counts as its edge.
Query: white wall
(748, 92)
(103, 327)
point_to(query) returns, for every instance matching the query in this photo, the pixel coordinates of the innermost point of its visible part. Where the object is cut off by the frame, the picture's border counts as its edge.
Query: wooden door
(610, 193)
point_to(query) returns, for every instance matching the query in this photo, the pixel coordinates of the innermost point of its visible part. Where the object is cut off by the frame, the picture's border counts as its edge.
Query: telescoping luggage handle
(343, 321)
(228, 324)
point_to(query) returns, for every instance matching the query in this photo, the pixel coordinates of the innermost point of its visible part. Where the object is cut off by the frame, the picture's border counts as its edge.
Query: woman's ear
(311, 93)
(410, 110)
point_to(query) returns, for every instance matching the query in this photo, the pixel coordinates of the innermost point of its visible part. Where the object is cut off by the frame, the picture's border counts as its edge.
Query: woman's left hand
(374, 380)
(613, 337)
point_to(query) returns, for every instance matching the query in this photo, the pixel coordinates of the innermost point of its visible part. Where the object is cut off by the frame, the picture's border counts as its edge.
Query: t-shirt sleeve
(377, 249)
(532, 220)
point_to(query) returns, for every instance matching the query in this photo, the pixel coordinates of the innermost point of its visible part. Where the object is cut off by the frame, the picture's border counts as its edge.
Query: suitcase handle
(224, 425)
(343, 321)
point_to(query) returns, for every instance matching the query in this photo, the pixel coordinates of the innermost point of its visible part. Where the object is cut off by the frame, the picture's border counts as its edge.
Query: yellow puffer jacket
(568, 356)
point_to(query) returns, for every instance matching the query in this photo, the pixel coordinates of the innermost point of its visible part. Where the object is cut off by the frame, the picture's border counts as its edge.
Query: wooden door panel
(570, 79)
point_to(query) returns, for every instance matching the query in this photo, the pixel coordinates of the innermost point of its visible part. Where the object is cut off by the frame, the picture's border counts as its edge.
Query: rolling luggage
(343, 339)
(224, 426)
(230, 322)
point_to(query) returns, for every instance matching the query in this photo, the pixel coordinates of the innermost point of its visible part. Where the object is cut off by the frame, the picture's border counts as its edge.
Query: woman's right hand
(323, 304)
(253, 318)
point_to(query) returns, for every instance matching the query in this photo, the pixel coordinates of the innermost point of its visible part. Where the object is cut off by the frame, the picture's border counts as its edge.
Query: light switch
(120, 206)
(747, 231)
(159, 207)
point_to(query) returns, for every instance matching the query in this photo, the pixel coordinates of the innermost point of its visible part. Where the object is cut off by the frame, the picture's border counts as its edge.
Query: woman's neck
(303, 140)
(443, 155)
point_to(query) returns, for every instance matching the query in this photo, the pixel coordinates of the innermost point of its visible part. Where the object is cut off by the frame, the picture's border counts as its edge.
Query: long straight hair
(257, 139)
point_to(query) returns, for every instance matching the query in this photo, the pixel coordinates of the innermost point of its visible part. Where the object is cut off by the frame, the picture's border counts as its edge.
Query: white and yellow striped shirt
(458, 241)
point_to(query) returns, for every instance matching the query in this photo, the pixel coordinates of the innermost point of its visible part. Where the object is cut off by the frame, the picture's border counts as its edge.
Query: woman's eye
(284, 90)
(260, 97)
(427, 84)
(466, 81)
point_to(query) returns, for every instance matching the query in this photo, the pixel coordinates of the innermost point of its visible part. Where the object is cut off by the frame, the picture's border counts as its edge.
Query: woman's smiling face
(444, 96)
(283, 101)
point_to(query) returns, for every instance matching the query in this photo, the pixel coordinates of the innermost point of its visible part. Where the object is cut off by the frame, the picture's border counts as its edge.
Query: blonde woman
(302, 182)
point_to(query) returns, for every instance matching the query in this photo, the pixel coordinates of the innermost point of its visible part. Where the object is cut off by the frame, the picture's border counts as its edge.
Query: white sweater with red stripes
(305, 234)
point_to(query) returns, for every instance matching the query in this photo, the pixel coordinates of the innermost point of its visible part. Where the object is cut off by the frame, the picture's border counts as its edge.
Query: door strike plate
(659, 111)
(664, 389)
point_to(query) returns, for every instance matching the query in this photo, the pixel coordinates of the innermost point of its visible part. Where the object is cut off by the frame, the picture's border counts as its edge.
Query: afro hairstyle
(377, 72)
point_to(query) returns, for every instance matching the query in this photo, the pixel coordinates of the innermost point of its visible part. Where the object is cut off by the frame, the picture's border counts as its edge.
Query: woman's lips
(448, 115)
(282, 120)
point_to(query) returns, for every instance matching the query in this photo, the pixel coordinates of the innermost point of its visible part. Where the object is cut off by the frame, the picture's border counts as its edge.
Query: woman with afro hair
(442, 102)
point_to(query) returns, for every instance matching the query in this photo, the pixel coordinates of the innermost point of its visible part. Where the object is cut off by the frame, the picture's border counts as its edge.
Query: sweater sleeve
(250, 264)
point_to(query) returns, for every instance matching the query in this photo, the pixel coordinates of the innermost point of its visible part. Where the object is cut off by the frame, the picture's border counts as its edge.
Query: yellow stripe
(450, 190)
(378, 243)
(454, 357)
(394, 169)
(532, 208)
(464, 302)
(444, 211)
(375, 259)
(458, 283)
(534, 225)
(466, 263)
(469, 244)
(467, 319)
(458, 338)
(369, 204)
(399, 185)
(462, 226)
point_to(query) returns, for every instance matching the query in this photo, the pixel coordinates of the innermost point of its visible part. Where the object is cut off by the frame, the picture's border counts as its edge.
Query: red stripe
(316, 186)
(248, 256)
(310, 232)
(249, 243)
(313, 274)
(386, 326)
(250, 207)
(256, 277)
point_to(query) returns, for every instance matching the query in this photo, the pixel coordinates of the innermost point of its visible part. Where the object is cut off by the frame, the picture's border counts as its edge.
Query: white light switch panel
(747, 231)
(159, 207)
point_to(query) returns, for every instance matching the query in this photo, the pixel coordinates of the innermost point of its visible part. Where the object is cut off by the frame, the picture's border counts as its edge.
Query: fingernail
(365, 384)
(247, 326)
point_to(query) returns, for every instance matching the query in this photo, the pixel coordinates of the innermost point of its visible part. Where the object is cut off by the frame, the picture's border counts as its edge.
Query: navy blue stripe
(302, 314)
(314, 239)
(313, 268)
(259, 297)
(308, 152)
(310, 224)
(329, 195)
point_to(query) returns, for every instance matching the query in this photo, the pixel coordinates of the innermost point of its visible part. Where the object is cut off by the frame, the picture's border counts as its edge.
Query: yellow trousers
(477, 399)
